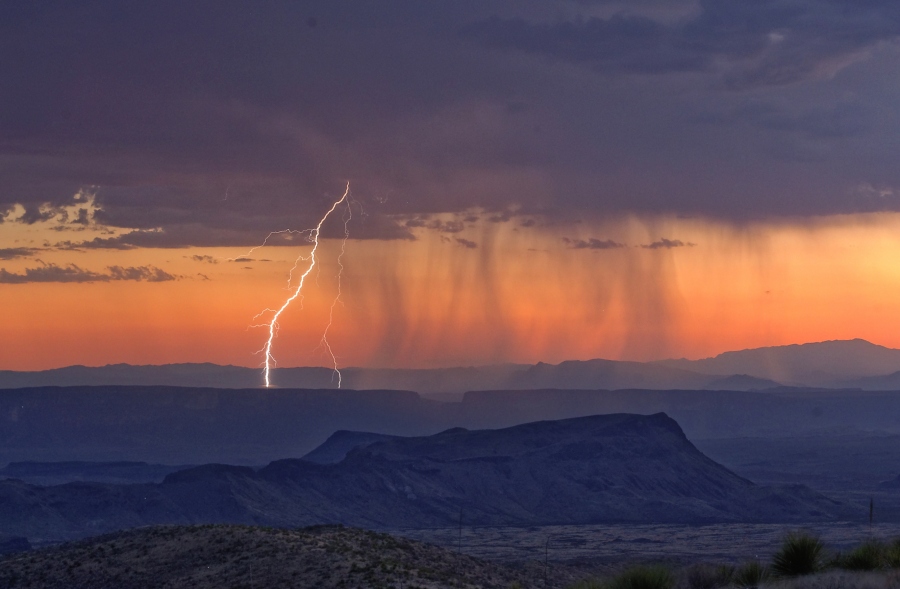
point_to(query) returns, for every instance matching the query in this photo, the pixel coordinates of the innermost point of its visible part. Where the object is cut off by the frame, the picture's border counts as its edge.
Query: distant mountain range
(607, 468)
(833, 364)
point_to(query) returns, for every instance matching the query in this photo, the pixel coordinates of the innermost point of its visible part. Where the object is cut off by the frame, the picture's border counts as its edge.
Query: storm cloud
(211, 123)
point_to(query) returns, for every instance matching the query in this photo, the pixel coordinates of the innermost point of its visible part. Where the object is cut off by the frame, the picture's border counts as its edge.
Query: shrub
(800, 554)
(750, 574)
(892, 554)
(868, 556)
(703, 576)
(644, 577)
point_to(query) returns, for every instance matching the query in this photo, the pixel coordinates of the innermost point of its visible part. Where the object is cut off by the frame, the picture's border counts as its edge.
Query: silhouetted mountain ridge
(605, 468)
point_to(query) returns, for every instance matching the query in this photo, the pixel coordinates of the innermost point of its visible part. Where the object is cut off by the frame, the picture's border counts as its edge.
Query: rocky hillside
(216, 557)
(609, 468)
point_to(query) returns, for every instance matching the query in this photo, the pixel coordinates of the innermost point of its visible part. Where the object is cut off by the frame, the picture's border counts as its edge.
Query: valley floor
(608, 547)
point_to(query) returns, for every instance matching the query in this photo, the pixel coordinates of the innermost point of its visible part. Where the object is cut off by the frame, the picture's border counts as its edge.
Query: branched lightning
(337, 298)
(266, 242)
(272, 325)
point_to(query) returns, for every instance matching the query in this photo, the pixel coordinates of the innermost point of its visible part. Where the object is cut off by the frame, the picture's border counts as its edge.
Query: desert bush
(644, 577)
(892, 554)
(750, 574)
(868, 556)
(704, 576)
(800, 554)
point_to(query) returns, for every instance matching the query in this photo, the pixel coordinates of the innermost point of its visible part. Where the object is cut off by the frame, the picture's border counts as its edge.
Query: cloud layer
(74, 273)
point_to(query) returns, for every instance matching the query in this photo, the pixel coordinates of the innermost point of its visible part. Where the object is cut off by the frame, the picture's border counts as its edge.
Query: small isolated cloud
(98, 243)
(243, 260)
(205, 259)
(466, 243)
(667, 244)
(592, 244)
(139, 273)
(16, 252)
(74, 273)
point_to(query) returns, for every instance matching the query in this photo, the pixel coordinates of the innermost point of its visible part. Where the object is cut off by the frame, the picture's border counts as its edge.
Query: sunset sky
(531, 180)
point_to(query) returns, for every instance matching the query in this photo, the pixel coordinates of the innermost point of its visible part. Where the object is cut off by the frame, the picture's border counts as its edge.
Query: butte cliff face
(625, 468)
(610, 468)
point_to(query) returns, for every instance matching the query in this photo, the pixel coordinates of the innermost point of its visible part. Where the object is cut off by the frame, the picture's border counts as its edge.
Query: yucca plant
(644, 577)
(750, 574)
(800, 554)
(868, 556)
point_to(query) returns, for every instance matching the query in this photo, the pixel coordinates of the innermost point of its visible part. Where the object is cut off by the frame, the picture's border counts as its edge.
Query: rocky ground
(244, 557)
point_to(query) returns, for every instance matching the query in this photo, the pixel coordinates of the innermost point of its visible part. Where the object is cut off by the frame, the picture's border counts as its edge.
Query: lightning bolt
(272, 325)
(337, 299)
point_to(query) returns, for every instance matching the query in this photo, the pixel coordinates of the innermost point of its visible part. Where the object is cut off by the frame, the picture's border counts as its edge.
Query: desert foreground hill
(231, 557)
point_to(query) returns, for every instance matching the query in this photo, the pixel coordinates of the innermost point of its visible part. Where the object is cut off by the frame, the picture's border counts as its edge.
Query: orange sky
(522, 295)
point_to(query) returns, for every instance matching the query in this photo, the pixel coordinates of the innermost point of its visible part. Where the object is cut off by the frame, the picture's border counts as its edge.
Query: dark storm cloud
(73, 273)
(843, 120)
(621, 43)
(213, 123)
(667, 244)
(592, 244)
(760, 43)
(466, 243)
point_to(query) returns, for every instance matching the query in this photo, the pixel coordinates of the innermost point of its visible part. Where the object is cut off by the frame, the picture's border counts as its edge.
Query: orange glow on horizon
(522, 295)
